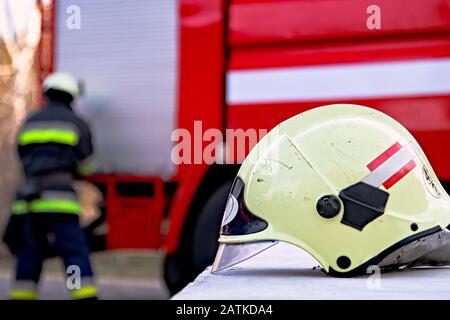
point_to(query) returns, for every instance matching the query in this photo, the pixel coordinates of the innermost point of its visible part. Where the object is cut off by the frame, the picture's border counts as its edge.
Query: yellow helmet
(346, 183)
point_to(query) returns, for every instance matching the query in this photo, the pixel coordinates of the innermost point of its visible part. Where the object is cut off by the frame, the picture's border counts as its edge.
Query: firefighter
(54, 147)
(345, 183)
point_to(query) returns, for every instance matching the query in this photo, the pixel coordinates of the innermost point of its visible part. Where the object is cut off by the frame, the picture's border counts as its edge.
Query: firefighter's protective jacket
(55, 140)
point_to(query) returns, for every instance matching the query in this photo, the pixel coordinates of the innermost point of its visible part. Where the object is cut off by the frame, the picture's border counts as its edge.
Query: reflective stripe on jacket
(55, 139)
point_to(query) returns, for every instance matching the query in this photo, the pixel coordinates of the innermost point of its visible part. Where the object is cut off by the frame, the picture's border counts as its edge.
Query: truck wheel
(183, 266)
(207, 228)
(175, 272)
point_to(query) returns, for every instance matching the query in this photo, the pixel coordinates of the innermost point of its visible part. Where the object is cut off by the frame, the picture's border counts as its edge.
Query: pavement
(120, 275)
(285, 272)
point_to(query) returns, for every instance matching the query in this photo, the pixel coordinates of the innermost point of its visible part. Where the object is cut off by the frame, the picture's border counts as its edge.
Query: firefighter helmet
(346, 183)
(64, 82)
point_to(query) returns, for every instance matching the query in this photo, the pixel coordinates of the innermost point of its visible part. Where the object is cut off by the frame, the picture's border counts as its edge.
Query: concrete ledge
(284, 272)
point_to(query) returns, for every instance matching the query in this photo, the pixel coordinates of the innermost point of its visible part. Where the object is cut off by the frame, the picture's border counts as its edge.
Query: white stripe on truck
(343, 81)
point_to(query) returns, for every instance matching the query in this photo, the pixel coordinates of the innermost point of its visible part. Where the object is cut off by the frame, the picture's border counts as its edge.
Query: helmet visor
(237, 218)
(231, 254)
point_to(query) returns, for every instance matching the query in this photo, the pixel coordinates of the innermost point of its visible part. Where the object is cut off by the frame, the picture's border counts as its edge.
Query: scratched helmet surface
(346, 183)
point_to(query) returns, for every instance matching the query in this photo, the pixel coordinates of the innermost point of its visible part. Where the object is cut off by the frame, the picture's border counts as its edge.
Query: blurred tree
(19, 40)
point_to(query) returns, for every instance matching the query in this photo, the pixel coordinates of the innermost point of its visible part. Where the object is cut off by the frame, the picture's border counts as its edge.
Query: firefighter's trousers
(50, 223)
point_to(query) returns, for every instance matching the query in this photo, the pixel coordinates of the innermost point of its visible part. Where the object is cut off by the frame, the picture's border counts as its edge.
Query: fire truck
(152, 67)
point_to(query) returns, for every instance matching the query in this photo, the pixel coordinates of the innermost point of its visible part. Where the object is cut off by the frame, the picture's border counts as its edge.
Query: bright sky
(20, 16)
(20, 10)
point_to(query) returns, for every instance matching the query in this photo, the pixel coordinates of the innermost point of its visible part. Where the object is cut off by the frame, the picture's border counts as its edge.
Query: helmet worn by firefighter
(63, 82)
(346, 183)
